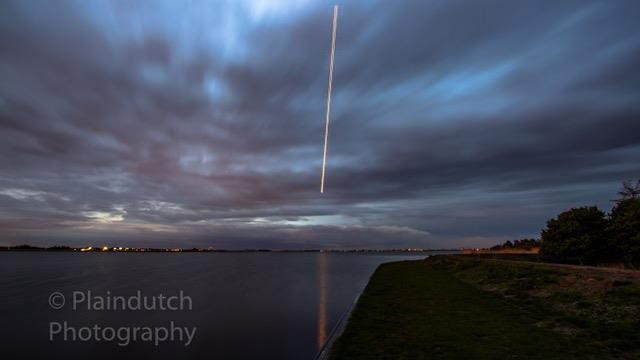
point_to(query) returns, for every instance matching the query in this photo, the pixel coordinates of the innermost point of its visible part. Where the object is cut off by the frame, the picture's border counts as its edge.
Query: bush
(576, 236)
(624, 231)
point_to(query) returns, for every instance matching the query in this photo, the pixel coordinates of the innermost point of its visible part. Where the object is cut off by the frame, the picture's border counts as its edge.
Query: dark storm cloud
(455, 123)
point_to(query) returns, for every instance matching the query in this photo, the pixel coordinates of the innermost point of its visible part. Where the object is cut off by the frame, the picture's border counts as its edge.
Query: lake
(235, 305)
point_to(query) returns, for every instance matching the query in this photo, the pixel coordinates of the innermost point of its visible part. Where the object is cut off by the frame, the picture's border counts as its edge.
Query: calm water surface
(244, 305)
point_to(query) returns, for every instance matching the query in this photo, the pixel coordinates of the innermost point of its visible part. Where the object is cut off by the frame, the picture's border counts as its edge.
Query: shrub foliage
(576, 236)
(588, 236)
(624, 232)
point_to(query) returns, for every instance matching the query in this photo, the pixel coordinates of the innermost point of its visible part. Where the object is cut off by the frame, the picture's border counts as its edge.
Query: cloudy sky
(200, 123)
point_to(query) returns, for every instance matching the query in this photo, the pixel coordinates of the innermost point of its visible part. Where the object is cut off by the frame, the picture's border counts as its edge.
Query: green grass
(452, 307)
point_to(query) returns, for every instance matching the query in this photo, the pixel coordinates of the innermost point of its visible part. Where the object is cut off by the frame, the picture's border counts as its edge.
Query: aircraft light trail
(326, 128)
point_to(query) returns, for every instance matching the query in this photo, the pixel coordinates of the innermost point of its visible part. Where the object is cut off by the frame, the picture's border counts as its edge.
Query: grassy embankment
(475, 308)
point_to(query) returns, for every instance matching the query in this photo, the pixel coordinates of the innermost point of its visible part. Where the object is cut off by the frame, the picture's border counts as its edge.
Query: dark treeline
(589, 236)
(523, 244)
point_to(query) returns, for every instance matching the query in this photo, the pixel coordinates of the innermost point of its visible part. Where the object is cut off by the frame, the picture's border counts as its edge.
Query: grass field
(464, 307)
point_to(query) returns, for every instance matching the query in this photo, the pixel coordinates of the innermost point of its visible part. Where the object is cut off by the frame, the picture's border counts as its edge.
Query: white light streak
(326, 128)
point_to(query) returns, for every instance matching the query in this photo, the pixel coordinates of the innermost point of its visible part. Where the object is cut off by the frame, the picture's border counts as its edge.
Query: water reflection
(323, 265)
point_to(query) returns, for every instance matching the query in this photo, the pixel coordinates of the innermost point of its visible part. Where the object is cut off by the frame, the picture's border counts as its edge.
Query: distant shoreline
(106, 249)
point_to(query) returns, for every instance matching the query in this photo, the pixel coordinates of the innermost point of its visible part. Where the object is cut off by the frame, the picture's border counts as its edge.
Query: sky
(200, 123)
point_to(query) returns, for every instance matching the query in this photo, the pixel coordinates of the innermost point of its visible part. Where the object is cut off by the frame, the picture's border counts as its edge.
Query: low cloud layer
(454, 123)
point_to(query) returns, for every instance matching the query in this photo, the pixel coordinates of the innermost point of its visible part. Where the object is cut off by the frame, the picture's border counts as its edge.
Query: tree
(629, 191)
(624, 231)
(576, 236)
